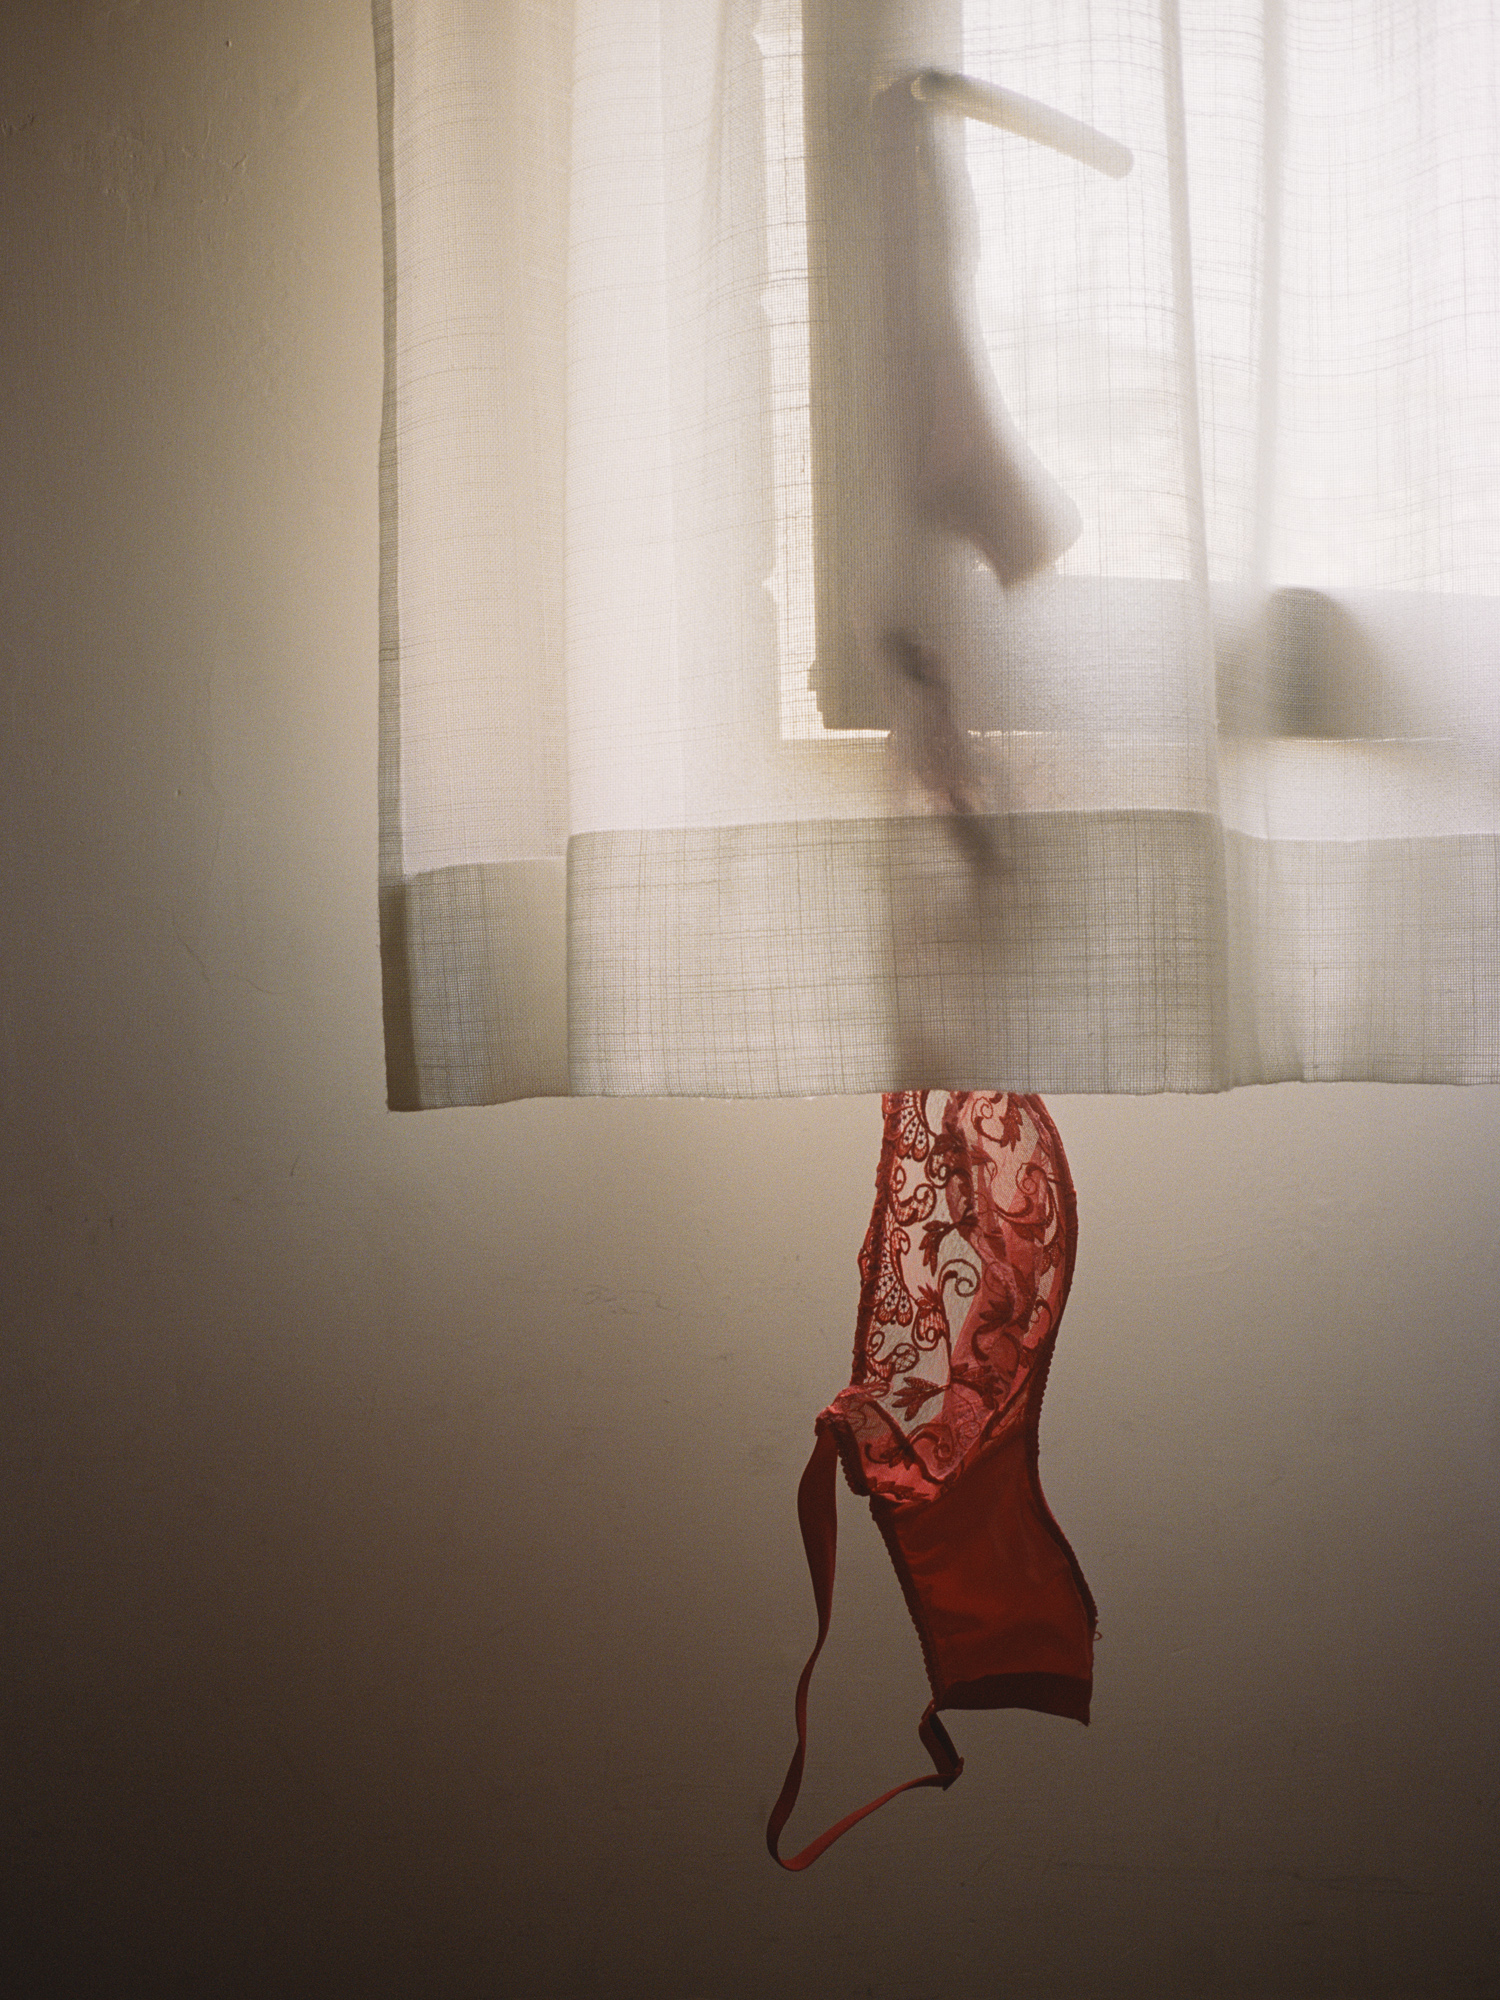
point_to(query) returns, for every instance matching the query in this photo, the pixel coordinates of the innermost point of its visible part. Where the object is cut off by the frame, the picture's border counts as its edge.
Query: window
(1264, 375)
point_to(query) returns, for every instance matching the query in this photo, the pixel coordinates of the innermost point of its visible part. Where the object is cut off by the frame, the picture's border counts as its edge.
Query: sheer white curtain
(645, 827)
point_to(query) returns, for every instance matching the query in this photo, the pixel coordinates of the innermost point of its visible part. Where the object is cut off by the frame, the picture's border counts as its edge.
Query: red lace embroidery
(966, 1268)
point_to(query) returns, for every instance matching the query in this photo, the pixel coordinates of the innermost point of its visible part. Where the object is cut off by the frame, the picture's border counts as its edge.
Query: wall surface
(402, 1585)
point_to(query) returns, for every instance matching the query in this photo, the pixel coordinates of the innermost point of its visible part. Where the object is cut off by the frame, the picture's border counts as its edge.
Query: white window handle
(1024, 116)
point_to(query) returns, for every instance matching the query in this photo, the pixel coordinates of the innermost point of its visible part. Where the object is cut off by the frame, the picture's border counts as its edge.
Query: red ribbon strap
(817, 1511)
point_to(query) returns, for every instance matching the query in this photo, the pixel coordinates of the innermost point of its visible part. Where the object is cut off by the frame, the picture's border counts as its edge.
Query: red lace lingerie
(965, 1272)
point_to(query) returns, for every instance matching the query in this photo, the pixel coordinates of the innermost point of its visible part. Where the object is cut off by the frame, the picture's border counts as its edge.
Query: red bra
(965, 1270)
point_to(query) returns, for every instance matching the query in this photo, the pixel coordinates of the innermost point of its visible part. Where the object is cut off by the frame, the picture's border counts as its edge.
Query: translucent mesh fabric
(711, 669)
(965, 1273)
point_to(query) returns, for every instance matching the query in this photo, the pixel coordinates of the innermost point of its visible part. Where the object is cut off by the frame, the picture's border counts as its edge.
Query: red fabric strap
(817, 1511)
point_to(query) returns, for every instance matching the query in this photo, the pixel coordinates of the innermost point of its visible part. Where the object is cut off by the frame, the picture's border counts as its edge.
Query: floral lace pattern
(965, 1271)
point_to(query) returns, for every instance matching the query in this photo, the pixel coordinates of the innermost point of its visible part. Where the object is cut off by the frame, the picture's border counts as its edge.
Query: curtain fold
(650, 817)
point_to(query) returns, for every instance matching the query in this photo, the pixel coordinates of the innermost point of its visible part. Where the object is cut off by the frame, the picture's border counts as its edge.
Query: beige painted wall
(402, 1584)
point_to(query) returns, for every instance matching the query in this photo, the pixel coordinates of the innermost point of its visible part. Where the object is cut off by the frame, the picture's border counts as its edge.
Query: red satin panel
(1003, 1614)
